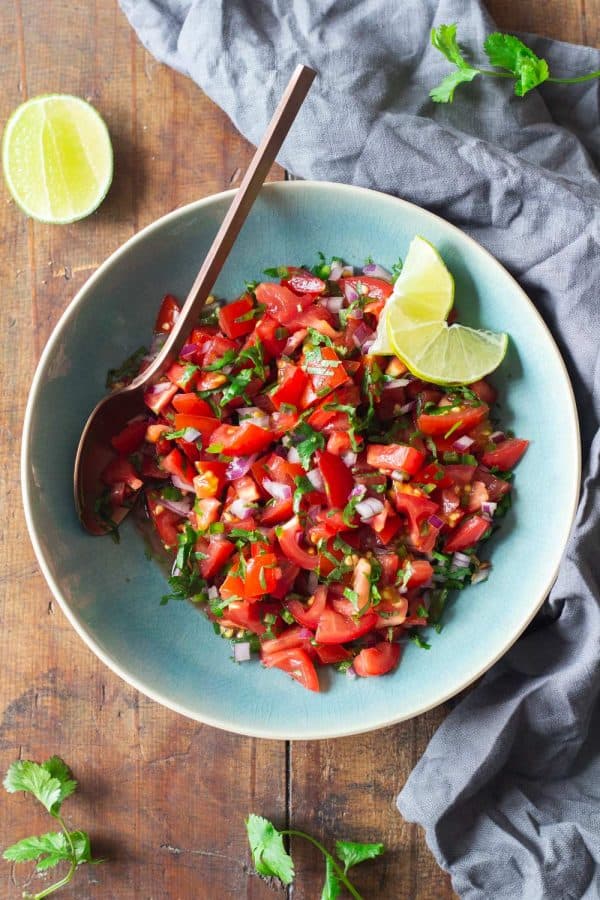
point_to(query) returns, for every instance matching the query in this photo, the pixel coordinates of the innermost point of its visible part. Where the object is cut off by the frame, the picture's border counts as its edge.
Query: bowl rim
(296, 186)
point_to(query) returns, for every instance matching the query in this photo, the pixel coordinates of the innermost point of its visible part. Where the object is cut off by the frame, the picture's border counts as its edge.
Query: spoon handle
(263, 159)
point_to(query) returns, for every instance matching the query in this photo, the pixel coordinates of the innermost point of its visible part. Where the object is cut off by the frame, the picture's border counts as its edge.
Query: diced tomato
(206, 425)
(157, 400)
(297, 663)
(176, 464)
(418, 508)
(192, 405)
(458, 420)
(261, 576)
(506, 455)
(334, 628)
(377, 660)
(459, 473)
(215, 348)
(210, 480)
(390, 564)
(496, 487)
(165, 520)
(484, 391)
(129, 439)
(477, 495)
(216, 551)
(395, 457)
(288, 541)
(467, 534)
(167, 314)
(434, 474)
(150, 469)
(122, 470)
(292, 381)
(271, 335)
(241, 440)
(206, 512)
(183, 376)
(332, 653)
(376, 287)
(189, 448)
(285, 583)
(421, 573)
(231, 314)
(326, 370)
(318, 318)
(283, 422)
(337, 478)
(302, 281)
(309, 615)
(282, 303)
(291, 637)
(243, 614)
(280, 511)
(339, 442)
(393, 609)
(283, 471)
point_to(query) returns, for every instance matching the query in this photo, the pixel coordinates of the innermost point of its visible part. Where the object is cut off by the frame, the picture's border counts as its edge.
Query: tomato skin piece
(438, 426)
(378, 289)
(204, 424)
(292, 381)
(337, 478)
(167, 314)
(334, 628)
(261, 576)
(180, 375)
(192, 405)
(210, 480)
(332, 653)
(297, 663)
(293, 636)
(129, 439)
(165, 520)
(265, 331)
(377, 660)
(279, 512)
(395, 456)
(416, 506)
(242, 440)
(288, 541)
(309, 616)
(467, 534)
(229, 313)
(282, 303)
(302, 281)
(339, 443)
(506, 455)
(217, 551)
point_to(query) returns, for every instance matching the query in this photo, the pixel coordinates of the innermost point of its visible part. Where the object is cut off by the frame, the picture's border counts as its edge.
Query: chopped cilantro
(421, 643)
(311, 442)
(127, 370)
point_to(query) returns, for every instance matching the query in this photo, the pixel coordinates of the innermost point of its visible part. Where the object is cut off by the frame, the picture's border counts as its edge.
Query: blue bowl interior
(111, 593)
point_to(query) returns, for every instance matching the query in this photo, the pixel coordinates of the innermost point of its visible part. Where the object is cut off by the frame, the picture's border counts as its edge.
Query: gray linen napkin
(519, 816)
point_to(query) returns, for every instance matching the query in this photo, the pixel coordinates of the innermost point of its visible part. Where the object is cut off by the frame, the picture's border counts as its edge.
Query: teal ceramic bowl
(110, 593)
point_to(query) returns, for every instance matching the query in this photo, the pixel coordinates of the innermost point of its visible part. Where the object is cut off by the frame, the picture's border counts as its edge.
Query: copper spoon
(114, 411)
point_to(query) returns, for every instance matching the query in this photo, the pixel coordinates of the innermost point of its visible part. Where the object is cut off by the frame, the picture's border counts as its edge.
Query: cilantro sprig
(272, 860)
(505, 52)
(50, 782)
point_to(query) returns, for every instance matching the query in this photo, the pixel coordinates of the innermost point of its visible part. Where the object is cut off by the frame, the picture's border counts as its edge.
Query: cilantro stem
(64, 881)
(338, 871)
(577, 79)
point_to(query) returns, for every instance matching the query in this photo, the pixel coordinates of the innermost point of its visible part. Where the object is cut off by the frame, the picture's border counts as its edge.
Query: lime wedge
(424, 290)
(442, 353)
(57, 158)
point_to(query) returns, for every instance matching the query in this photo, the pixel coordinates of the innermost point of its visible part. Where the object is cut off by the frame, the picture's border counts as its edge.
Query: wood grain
(163, 797)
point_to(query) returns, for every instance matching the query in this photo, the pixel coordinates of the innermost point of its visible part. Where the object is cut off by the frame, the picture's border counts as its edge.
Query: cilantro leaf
(46, 782)
(47, 849)
(312, 441)
(268, 853)
(237, 386)
(303, 486)
(227, 359)
(507, 52)
(444, 92)
(332, 887)
(443, 39)
(352, 853)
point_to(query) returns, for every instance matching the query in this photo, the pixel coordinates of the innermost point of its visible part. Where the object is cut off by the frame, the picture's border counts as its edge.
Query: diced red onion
(241, 509)
(497, 437)
(277, 489)
(190, 435)
(182, 485)
(359, 490)
(181, 507)
(294, 341)
(362, 334)
(305, 634)
(407, 407)
(239, 466)
(461, 560)
(350, 672)
(377, 271)
(258, 416)
(316, 479)
(481, 575)
(368, 508)
(188, 351)
(435, 521)
(337, 267)
(333, 304)
(349, 458)
(155, 390)
(241, 651)
(293, 455)
(488, 508)
(212, 592)
(366, 347)
(396, 383)
(356, 313)
(350, 293)
(399, 475)
(463, 443)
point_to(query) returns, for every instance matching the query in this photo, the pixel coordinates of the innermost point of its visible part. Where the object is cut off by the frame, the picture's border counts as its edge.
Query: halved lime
(442, 353)
(57, 158)
(424, 290)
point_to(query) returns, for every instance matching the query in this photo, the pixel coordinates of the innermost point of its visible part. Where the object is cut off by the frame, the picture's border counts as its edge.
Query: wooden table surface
(163, 797)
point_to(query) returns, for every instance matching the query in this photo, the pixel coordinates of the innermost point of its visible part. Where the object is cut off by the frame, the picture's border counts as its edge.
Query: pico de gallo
(318, 502)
